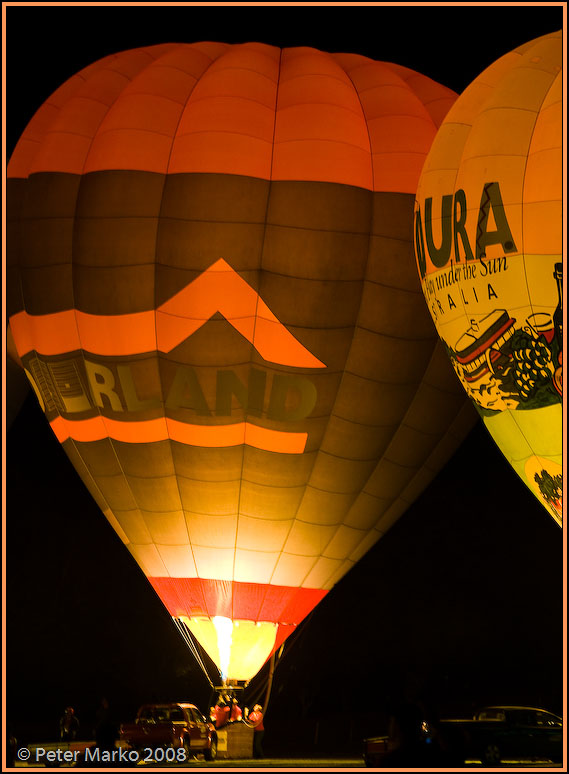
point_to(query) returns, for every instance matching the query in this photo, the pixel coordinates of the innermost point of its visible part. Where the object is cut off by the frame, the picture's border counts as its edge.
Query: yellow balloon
(488, 244)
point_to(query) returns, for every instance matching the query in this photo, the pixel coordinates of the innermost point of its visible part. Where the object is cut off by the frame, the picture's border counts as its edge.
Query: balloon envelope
(212, 289)
(489, 235)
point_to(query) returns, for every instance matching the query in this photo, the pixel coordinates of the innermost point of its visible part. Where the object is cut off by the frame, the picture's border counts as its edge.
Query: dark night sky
(459, 604)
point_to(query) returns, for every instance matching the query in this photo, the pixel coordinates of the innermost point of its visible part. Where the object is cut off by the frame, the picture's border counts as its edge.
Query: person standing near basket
(256, 720)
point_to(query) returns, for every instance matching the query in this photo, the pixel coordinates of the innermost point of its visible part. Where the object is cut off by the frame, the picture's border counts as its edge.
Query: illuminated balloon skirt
(238, 624)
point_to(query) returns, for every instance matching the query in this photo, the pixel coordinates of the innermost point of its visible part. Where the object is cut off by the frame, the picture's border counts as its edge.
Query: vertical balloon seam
(170, 442)
(82, 354)
(396, 498)
(370, 196)
(251, 346)
(520, 63)
(514, 417)
(319, 451)
(401, 496)
(408, 90)
(261, 257)
(309, 474)
(82, 351)
(167, 444)
(262, 251)
(153, 60)
(537, 114)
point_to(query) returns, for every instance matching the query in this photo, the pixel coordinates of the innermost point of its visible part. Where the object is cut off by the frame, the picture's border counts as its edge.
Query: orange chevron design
(218, 289)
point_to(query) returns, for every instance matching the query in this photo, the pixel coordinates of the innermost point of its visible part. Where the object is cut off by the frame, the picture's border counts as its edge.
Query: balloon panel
(488, 241)
(229, 339)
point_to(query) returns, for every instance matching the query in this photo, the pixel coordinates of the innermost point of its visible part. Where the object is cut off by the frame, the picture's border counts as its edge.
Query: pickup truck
(179, 726)
(494, 734)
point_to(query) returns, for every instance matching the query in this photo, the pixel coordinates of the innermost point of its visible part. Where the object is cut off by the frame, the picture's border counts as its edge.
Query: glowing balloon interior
(212, 289)
(489, 235)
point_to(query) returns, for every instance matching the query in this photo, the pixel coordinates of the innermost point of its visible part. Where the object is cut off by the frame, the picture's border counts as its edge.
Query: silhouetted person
(409, 746)
(106, 729)
(68, 725)
(11, 747)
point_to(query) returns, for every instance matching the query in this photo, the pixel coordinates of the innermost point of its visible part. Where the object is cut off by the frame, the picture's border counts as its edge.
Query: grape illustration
(533, 365)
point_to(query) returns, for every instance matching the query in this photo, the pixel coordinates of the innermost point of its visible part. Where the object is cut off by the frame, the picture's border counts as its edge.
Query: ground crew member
(256, 720)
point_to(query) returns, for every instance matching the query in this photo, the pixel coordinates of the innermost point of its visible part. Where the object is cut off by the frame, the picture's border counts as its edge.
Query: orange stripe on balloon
(152, 430)
(218, 289)
(55, 334)
(50, 334)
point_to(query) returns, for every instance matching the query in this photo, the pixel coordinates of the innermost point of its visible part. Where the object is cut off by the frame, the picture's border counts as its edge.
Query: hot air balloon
(211, 287)
(489, 235)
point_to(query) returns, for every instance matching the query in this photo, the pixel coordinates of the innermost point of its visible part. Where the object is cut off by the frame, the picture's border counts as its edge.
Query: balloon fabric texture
(489, 237)
(212, 289)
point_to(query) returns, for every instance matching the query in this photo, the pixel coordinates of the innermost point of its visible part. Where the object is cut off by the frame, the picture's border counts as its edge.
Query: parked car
(507, 732)
(494, 733)
(181, 726)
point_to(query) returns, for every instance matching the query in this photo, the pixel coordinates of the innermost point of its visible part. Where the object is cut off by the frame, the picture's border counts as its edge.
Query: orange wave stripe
(218, 289)
(149, 431)
(61, 332)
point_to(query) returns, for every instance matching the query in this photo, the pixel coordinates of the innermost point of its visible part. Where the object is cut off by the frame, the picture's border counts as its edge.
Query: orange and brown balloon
(211, 286)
